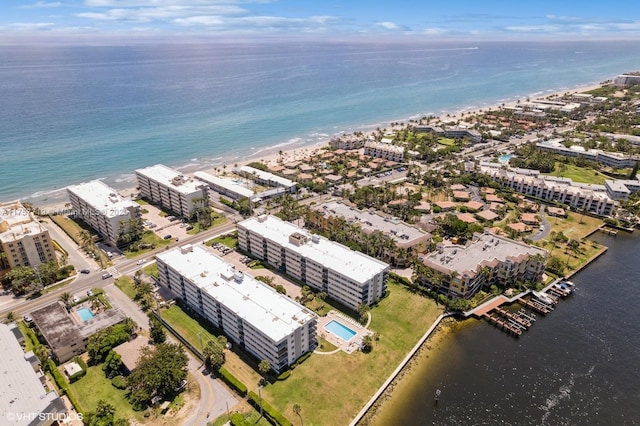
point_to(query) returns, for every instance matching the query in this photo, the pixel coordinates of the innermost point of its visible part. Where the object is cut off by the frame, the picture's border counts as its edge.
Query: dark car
(167, 237)
(84, 271)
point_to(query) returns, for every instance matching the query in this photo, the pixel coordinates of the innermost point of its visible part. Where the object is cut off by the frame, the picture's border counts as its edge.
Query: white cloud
(434, 31)
(40, 4)
(31, 26)
(533, 28)
(200, 20)
(388, 25)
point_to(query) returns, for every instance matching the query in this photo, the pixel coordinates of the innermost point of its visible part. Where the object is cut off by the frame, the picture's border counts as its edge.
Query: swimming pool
(504, 158)
(340, 330)
(85, 314)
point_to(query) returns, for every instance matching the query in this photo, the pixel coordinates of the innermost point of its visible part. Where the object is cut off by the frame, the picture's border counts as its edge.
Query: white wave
(564, 393)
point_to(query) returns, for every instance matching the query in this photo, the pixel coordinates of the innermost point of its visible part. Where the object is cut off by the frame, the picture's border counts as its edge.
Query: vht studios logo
(59, 417)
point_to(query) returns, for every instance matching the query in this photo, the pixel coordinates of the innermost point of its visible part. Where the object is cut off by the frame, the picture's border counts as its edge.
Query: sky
(426, 19)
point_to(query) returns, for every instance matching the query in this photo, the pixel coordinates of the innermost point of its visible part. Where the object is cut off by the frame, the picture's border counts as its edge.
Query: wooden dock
(503, 325)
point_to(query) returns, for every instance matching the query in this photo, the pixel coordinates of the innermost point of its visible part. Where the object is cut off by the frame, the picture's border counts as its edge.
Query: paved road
(123, 266)
(214, 397)
(545, 223)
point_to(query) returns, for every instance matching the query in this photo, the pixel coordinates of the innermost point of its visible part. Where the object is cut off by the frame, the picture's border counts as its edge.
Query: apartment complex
(66, 333)
(460, 271)
(24, 398)
(347, 142)
(350, 277)
(23, 240)
(266, 178)
(621, 189)
(588, 197)
(102, 208)
(266, 323)
(616, 160)
(384, 150)
(626, 80)
(451, 132)
(408, 239)
(171, 190)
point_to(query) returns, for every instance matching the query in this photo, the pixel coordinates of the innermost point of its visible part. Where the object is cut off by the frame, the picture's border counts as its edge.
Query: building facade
(350, 277)
(387, 151)
(102, 208)
(66, 333)
(461, 271)
(171, 190)
(583, 197)
(24, 398)
(23, 240)
(407, 239)
(251, 314)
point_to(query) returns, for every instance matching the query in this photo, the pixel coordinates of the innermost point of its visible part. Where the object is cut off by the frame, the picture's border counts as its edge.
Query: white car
(141, 261)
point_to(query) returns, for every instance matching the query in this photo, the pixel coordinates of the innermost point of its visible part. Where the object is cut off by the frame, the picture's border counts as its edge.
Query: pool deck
(352, 344)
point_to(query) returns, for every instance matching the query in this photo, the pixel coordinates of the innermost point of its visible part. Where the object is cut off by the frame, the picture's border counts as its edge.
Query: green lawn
(334, 388)
(148, 237)
(446, 141)
(188, 327)
(95, 387)
(151, 270)
(578, 174)
(142, 202)
(215, 221)
(228, 240)
(126, 284)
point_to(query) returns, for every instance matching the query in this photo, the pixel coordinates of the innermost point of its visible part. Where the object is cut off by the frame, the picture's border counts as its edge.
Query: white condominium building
(23, 240)
(253, 315)
(384, 150)
(102, 208)
(348, 276)
(170, 189)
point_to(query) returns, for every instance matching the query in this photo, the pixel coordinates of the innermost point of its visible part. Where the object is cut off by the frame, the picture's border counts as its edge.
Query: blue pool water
(340, 330)
(85, 314)
(504, 158)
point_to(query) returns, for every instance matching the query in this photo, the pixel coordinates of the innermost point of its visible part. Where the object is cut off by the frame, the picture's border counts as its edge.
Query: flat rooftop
(247, 170)
(61, 329)
(171, 178)
(238, 186)
(103, 198)
(337, 257)
(20, 387)
(16, 221)
(486, 248)
(274, 314)
(370, 221)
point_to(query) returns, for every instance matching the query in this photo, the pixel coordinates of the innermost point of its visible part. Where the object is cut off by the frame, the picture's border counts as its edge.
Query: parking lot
(240, 262)
(164, 226)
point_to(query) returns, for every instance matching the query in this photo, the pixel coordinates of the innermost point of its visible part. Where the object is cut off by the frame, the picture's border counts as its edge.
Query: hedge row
(62, 383)
(238, 419)
(77, 376)
(232, 381)
(273, 415)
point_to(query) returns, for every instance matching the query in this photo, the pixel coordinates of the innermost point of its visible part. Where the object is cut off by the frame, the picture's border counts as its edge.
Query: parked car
(167, 237)
(84, 271)
(89, 293)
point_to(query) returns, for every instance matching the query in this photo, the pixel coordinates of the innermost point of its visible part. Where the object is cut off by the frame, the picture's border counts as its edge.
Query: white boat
(544, 298)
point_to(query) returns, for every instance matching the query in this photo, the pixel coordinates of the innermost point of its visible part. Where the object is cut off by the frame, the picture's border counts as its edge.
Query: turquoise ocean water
(74, 113)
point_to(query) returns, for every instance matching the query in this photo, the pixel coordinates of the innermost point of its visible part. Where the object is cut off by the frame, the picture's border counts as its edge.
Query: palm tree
(66, 299)
(86, 239)
(297, 409)
(11, 316)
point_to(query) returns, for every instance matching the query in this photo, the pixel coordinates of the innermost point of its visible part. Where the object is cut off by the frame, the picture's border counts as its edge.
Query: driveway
(545, 223)
(215, 399)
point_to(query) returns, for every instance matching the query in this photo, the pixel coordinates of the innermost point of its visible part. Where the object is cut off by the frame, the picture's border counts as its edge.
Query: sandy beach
(275, 155)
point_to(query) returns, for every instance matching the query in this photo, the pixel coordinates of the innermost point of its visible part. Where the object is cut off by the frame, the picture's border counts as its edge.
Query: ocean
(75, 113)
(576, 366)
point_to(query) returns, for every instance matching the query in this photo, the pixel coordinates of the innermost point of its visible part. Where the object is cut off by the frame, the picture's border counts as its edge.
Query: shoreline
(125, 184)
